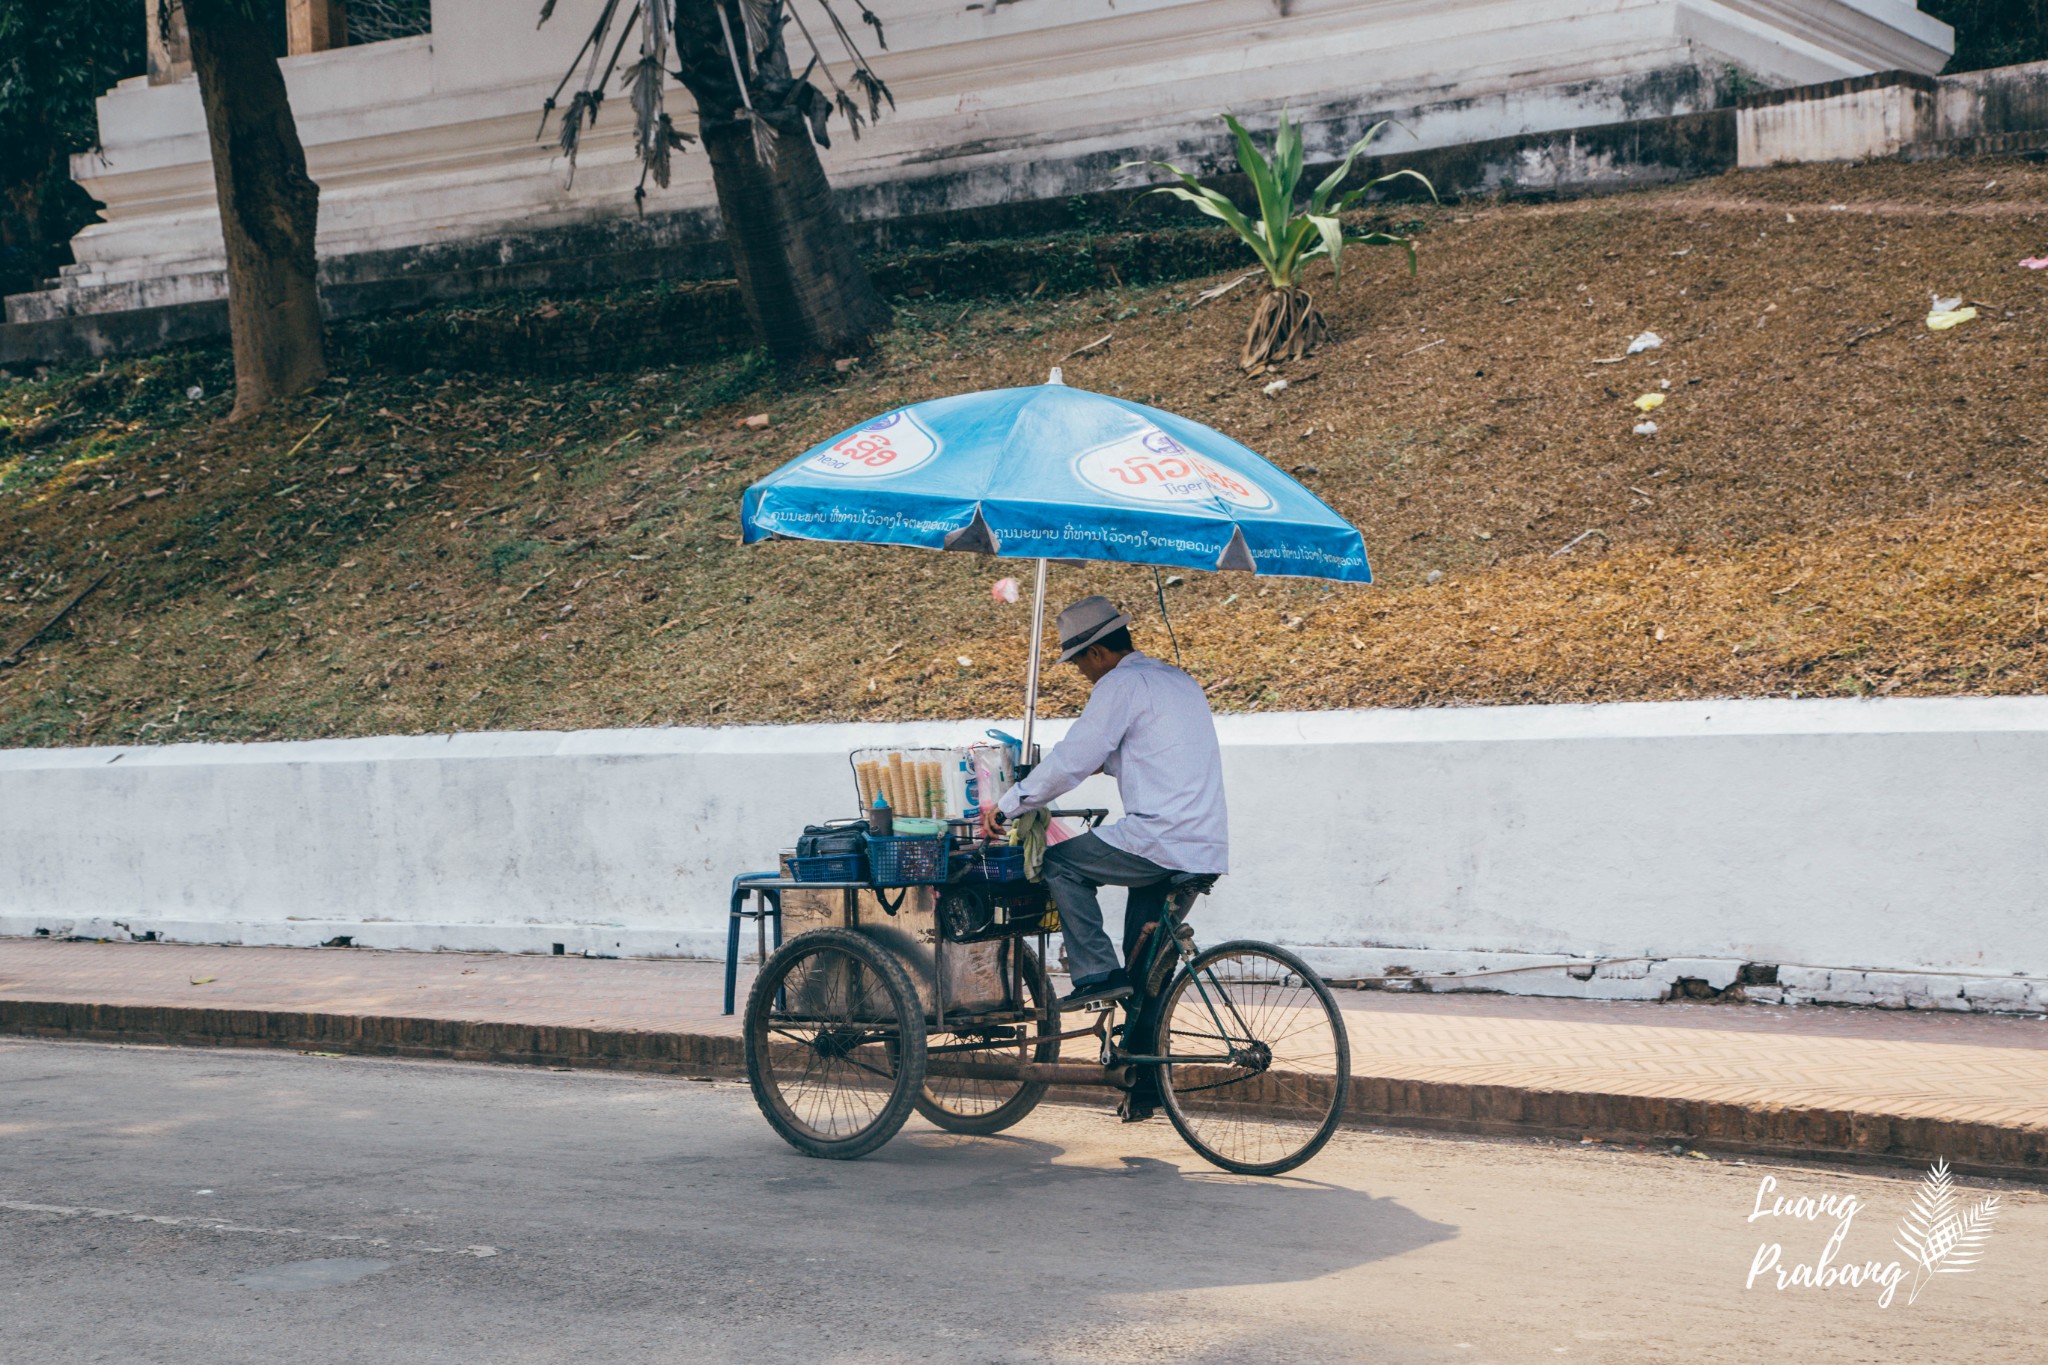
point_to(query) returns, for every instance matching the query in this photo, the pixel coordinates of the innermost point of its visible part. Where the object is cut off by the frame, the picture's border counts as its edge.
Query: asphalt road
(219, 1207)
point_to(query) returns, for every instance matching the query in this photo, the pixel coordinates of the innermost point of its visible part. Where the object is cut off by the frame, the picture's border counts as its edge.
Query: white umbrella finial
(1054, 377)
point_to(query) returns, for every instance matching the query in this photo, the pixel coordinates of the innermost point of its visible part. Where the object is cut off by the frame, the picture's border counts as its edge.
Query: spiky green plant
(1287, 324)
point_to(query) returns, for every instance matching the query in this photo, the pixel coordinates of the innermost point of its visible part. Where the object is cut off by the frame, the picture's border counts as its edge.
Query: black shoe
(1097, 990)
(1133, 1110)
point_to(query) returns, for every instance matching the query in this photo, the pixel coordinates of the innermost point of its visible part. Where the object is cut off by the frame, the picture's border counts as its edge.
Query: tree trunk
(269, 206)
(806, 291)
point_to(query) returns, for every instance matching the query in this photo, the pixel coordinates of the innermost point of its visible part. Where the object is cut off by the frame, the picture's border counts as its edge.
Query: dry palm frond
(582, 108)
(763, 22)
(844, 103)
(871, 85)
(654, 132)
(865, 82)
(809, 105)
(863, 74)
(868, 17)
(591, 79)
(644, 81)
(841, 101)
(657, 21)
(763, 135)
(764, 139)
(593, 43)
(654, 157)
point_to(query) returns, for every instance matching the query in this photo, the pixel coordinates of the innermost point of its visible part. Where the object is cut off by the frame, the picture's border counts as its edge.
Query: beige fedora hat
(1087, 621)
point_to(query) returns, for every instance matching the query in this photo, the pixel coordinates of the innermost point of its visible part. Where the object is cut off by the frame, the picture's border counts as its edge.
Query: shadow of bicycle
(1140, 1225)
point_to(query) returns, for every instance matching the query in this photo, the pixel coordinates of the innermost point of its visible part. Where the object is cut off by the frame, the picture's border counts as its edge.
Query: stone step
(2030, 143)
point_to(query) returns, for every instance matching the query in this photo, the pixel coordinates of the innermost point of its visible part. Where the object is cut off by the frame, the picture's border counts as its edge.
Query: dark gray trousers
(1074, 871)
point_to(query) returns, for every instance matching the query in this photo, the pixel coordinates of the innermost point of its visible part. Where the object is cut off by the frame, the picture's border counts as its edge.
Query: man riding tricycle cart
(923, 985)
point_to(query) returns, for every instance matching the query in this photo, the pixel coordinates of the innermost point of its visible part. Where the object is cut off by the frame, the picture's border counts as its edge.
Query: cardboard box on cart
(976, 974)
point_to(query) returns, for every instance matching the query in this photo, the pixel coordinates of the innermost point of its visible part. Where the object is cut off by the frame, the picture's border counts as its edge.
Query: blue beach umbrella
(1051, 472)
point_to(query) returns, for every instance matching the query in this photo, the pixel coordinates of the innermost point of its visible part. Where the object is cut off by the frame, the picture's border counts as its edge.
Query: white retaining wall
(1896, 113)
(1889, 851)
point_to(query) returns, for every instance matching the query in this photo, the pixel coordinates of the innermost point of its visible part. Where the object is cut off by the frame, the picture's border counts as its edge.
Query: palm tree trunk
(805, 289)
(269, 206)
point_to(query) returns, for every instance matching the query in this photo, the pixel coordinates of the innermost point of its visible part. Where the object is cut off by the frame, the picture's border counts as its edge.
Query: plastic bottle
(881, 820)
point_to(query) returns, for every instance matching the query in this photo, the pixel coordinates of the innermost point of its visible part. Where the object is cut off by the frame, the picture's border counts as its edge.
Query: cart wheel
(961, 1104)
(1261, 1062)
(835, 1043)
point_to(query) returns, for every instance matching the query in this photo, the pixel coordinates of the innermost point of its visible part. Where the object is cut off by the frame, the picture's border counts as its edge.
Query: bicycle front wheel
(1258, 1063)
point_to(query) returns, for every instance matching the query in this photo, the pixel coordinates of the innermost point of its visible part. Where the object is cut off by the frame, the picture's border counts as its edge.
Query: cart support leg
(732, 951)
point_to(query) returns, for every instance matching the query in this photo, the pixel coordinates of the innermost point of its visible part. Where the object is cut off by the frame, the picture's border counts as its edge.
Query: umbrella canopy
(1050, 472)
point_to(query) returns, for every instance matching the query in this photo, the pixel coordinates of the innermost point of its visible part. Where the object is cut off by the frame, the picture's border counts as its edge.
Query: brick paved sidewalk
(1883, 1085)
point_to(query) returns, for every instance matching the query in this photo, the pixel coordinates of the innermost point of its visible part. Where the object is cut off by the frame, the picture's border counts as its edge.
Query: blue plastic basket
(1002, 863)
(841, 867)
(908, 859)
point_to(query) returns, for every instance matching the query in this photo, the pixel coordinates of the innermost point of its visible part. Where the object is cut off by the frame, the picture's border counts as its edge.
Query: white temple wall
(429, 140)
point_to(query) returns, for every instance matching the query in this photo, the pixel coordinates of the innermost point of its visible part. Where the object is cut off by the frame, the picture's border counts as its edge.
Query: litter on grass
(1649, 402)
(1277, 387)
(2035, 263)
(1949, 317)
(1004, 590)
(1646, 428)
(1648, 341)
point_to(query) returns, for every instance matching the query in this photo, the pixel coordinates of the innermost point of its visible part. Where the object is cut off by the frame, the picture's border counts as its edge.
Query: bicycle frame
(1164, 937)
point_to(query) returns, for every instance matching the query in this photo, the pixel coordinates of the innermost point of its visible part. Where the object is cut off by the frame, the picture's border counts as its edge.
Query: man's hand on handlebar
(991, 823)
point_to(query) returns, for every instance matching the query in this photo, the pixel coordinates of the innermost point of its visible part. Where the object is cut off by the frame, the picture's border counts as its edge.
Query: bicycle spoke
(1274, 1099)
(823, 1043)
(981, 1104)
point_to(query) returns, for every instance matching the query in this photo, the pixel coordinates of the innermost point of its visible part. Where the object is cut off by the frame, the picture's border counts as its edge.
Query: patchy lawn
(1837, 500)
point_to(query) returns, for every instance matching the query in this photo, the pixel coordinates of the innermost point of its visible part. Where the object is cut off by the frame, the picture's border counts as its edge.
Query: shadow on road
(1145, 1224)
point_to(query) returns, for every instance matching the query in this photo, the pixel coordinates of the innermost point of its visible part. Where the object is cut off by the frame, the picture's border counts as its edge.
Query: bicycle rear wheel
(1258, 1063)
(835, 1043)
(961, 1104)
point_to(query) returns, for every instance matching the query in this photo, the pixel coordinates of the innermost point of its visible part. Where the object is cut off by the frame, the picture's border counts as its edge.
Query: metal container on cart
(969, 978)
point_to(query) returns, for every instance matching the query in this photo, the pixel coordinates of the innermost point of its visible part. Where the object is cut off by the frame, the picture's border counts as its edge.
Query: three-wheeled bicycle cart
(852, 1026)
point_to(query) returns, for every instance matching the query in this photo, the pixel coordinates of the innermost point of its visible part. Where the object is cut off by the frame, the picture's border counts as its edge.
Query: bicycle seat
(1195, 883)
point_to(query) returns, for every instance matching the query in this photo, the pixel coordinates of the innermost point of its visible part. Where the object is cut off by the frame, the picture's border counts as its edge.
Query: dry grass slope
(1837, 500)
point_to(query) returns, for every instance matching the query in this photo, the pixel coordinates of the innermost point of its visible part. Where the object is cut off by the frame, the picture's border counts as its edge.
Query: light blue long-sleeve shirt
(1147, 724)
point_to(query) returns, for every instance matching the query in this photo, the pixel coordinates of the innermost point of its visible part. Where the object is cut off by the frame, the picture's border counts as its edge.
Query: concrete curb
(1762, 1128)
(464, 1040)
(1982, 1149)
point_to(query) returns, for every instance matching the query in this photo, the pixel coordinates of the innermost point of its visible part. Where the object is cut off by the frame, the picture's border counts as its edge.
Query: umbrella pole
(1031, 676)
